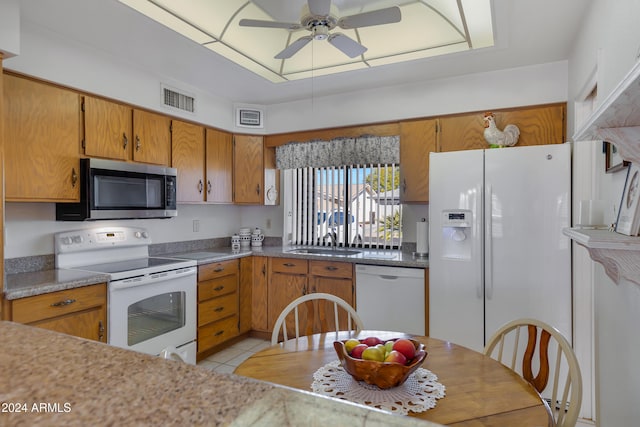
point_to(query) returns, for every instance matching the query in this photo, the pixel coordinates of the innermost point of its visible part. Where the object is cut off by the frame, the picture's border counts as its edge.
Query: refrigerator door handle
(478, 225)
(488, 241)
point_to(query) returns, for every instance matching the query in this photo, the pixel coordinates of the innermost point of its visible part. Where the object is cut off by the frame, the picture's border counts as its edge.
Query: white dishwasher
(391, 298)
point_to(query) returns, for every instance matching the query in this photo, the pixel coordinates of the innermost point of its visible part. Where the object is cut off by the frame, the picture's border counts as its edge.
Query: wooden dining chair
(564, 366)
(314, 313)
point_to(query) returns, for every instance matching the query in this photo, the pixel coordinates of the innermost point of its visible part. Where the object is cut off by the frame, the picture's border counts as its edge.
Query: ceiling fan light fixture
(320, 32)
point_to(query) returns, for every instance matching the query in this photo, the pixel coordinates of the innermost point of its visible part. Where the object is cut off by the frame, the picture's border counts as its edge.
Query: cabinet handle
(264, 270)
(208, 186)
(138, 144)
(74, 177)
(289, 264)
(125, 141)
(100, 330)
(200, 186)
(258, 189)
(218, 288)
(217, 334)
(218, 309)
(404, 185)
(218, 269)
(63, 303)
(331, 268)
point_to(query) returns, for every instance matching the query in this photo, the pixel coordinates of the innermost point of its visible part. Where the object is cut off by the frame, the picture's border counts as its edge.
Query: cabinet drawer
(217, 332)
(40, 307)
(331, 269)
(217, 287)
(217, 308)
(217, 269)
(289, 265)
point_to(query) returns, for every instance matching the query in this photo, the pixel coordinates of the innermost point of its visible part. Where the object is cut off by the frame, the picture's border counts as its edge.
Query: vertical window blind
(356, 205)
(343, 192)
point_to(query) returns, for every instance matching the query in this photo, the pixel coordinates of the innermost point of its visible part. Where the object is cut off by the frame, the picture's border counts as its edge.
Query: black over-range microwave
(119, 190)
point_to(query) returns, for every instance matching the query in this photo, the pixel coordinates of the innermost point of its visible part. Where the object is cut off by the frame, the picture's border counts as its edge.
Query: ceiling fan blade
(269, 24)
(347, 45)
(294, 47)
(319, 7)
(388, 15)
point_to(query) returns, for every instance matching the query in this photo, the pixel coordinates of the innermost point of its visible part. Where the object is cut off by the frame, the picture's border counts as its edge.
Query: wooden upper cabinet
(219, 166)
(417, 140)
(248, 169)
(107, 129)
(151, 138)
(42, 141)
(187, 155)
(538, 125)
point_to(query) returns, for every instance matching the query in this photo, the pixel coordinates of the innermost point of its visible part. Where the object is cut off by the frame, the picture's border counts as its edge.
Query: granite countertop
(48, 378)
(21, 285)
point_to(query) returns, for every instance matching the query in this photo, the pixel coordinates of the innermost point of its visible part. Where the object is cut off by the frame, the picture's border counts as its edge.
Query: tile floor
(226, 360)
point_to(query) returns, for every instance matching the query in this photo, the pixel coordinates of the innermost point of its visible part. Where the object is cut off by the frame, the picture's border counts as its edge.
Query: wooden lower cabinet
(259, 294)
(80, 311)
(290, 278)
(218, 304)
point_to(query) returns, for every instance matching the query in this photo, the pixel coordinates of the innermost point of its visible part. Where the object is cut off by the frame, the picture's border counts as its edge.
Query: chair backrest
(564, 366)
(314, 319)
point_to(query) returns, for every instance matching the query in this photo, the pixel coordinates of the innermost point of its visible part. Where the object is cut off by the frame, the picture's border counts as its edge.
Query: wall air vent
(249, 117)
(181, 101)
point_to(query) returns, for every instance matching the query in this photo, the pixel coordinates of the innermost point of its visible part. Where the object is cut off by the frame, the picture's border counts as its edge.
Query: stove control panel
(98, 238)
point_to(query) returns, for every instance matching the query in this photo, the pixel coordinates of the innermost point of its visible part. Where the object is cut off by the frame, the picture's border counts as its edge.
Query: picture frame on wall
(628, 222)
(613, 160)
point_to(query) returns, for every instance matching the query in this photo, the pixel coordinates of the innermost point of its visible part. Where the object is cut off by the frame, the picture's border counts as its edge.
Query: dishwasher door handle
(387, 277)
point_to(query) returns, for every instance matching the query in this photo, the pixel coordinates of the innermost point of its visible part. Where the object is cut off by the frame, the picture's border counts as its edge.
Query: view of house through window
(346, 206)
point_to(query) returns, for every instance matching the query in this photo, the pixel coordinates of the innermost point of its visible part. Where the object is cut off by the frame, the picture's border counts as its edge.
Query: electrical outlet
(196, 225)
(268, 225)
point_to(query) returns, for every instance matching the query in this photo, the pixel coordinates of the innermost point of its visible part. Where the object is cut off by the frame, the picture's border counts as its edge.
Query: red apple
(356, 352)
(372, 341)
(396, 357)
(405, 347)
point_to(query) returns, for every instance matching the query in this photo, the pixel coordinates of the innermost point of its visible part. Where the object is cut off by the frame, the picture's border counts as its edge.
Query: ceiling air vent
(249, 117)
(180, 101)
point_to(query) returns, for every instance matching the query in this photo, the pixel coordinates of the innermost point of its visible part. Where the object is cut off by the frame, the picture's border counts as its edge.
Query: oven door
(152, 312)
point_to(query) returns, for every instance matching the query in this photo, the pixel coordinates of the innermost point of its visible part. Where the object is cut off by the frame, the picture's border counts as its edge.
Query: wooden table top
(479, 390)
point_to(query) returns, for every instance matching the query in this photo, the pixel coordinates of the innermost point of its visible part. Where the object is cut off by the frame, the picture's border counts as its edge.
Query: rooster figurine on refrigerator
(499, 138)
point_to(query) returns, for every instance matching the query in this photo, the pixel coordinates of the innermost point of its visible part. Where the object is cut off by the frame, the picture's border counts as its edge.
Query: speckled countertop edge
(25, 284)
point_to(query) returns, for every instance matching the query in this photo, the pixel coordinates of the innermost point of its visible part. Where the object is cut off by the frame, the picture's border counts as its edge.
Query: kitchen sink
(321, 251)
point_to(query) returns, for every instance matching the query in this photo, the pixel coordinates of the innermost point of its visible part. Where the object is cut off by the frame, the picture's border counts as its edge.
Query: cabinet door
(245, 293)
(282, 289)
(342, 288)
(42, 141)
(152, 138)
(107, 129)
(248, 169)
(187, 155)
(259, 299)
(89, 324)
(219, 164)
(417, 140)
(538, 125)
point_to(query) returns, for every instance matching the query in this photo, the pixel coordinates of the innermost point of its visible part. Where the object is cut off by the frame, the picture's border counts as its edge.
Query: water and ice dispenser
(456, 234)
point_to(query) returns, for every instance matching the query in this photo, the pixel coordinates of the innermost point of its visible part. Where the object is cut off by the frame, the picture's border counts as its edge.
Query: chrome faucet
(334, 238)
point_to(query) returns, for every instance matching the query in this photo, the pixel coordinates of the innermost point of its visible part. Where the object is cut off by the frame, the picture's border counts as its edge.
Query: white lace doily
(417, 394)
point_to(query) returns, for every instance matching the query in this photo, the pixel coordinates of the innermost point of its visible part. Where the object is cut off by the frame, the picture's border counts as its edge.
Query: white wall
(608, 42)
(539, 84)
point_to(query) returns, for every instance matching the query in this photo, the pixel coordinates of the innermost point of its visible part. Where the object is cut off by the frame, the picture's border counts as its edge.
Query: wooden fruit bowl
(382, 374)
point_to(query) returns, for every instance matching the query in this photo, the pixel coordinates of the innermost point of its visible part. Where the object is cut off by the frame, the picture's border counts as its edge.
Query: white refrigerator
(497, 251)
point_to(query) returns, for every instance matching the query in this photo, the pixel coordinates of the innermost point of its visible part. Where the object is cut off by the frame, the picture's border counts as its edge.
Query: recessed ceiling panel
(426, 28)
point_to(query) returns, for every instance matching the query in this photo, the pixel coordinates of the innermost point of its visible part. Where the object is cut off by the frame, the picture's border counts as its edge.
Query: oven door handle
(147, 279)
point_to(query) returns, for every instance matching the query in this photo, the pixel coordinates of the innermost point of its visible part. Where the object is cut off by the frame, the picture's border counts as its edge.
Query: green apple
(388, 346)
(373, 353)
(350, 344)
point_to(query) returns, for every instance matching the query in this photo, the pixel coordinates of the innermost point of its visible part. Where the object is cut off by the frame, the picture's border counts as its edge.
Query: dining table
(478, 390)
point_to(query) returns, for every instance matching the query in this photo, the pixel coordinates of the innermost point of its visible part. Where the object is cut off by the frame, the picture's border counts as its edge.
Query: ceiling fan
(319, 17)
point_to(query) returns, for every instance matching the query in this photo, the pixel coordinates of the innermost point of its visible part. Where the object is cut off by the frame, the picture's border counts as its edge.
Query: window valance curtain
(339, 152)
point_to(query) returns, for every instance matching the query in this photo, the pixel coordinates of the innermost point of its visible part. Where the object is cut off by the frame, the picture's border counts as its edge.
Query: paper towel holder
(422, 252)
